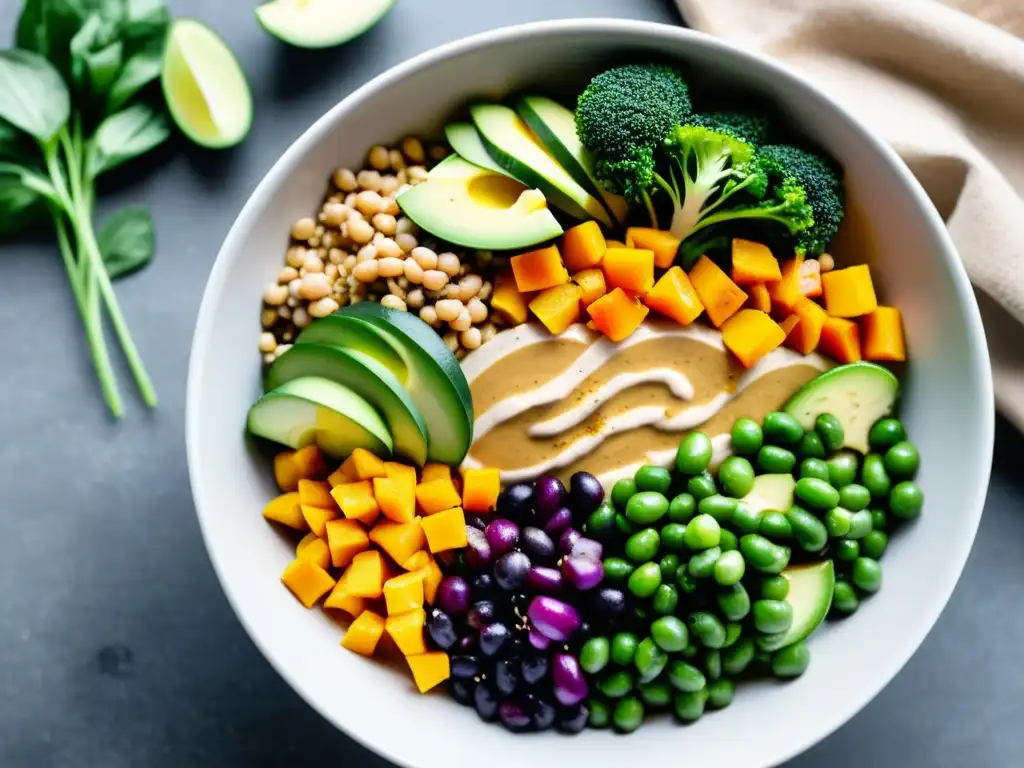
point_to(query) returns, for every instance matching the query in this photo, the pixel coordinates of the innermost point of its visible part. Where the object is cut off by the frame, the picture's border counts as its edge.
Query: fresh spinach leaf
(47, 27)
(33, 96)
(146, 19)
(125, 135)
(127, 241)
(96, 55)
(139, 71)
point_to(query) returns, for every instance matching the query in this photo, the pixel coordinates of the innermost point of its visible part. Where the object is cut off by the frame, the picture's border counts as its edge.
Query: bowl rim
(230, 253)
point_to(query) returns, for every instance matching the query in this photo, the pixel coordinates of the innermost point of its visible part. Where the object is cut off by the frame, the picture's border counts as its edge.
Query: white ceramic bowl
(947, 405)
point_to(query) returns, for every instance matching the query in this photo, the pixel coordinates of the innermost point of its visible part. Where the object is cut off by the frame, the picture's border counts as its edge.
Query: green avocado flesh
(771, 492)
(320, 23)
(810, 594)
(468, 145)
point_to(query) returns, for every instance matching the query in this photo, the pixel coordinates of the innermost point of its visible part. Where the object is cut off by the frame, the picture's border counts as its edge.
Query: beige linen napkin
(943, 81)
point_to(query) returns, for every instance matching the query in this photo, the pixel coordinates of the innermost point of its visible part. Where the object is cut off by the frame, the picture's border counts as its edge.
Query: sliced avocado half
(810, 594)
(468, 145)
(770, 492)
(320, 23)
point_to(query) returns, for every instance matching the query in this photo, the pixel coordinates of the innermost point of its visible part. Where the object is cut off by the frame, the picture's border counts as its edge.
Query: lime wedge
(320, 23)
(205, 87)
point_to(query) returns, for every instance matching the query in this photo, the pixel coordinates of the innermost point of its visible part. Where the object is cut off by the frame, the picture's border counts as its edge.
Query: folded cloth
(943, 82)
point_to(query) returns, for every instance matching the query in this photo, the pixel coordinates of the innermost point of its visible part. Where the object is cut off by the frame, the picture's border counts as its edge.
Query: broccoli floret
(822, 186)
(746, 126)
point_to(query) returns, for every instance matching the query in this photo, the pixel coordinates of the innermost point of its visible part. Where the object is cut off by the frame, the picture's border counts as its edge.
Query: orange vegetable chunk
(292, 466)
(480, 489)
(285, 472)
(432, 578)
(540, 269)
(592, 285)
(806, 336)
(356, 501)
(787, 325)
(434, 471)
(617, 314)
(583, 246)
(882, 333)
(363, 465)
(429, 669)
(418, 560)
(557, 308)
(345, 539)
(840, 339)
(406, 629)
(508, 302)
(395, 498)
(751, 334)
(785, 293)
(307, 581)
(285, 509)
(315, 493)
(404, 593)
(340, 476)
(437, 495)
(720, 296)
(753, 263)
(365, 576)
(631, 269)
(849, 292)
(399, 540)
(364, 633)
(674, 296)
(810, 278)
(665, 245)
(617, 244)
(445, 530)
(314, 549)
(343, 600)
(318, 517)
(759, 297)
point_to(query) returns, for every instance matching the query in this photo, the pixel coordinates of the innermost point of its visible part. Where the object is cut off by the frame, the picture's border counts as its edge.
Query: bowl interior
(946, 403)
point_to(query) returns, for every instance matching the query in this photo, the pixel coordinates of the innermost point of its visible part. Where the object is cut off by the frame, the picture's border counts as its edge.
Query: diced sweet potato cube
(437, 495)
(292, 466)
(631, 269)
(592, 285)
(753, 263)
(788, 324)
(396, 498)
(406, 629)
(882, 333)
(343, 600)
(345, 539)
(557, 308)
(445, 530)
(849, 292)
(285, 509)
(307, 581)
(720, 296)
(617, 314)
(509, 302)
(759, 297)
(433, 471)
(365, 576)
(318, 517)
(429, 669)
(583, 246)
(840, 339)
(404, 593)
(663, 244)
(674, 296)
(399, 540)
(417, 561)
(750, 334)
(810, 278)
(314, 549)
(480, 489)
(806, 336)
(364, 633)
(432, 578)
(315, 493)
(357, 502)
(285, 472)
(540, 269)
(363, 465)
(406, 473)
(340, 476)
(785, 293)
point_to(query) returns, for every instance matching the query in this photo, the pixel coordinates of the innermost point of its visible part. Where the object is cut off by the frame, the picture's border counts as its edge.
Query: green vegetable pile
(707, 560)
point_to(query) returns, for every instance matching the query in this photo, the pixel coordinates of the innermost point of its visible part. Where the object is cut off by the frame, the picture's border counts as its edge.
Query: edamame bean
(847, 550)
(860, 525)
(702, 565)
(650, 660)
(867, 574)
(729, 568)
(831, 432)
(594, 654)
(837, 522)
(682, 508)
(844, 598)
(811, 446)
(656, 694)
(707, 628)
(842, 469)
(670, 634)
(775, 460)
(791, 661)
(816, 493)
(746, 436)
(885, 433)
(601, 521)
(673, 537)
(728, 541)
(643, 545)
(616, 684)
(703, 532)
(713, 664)
(736, 476)
(685, 677)
(746, 518)
(814, 468)
(651, 478)
(628, 714)
(668, 565)
(686, 583)
(623, 648)
(694, 453)
(906, 500)
(733, 630)
(762, 554)
(722, 508)
(617, 570)
(600, 713)
(734, 602)
(874, 476)
(691, 651)
(782, 429)
(775, 588)
(774, 525)
(665, 599)
(902, 460)
(879, 520)
(624, 525)
(772, 616)
(736, 658)
(689, 707)
(854, 497)
(646, 507)
(874, 544)
(622, 491)
(645, 580)
(720, 693)
(701, 486)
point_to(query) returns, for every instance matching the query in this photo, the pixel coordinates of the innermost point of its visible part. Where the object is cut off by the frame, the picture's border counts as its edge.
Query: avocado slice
(555, 126)
(368, 379)
(477, 208)
(514, 147)
(435, 381)
(320, 23)
(810, 594)
(313, 409)
(468, 145)
(770, 492)
(858, 394)
(354, 335)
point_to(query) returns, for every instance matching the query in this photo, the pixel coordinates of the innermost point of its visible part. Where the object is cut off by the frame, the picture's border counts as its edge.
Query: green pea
(847, 550)
(670, 634)
(702, 565)
(668, 565)
(682, 508)
(646, 507)
(624, 525)
(885, 433)
(656, 694)
(673, 537)
(837, 522)
(689, 707)
(734, 602)
(686, 583)
(713, 664)
(775, 588)
(722, 508)
(746, 436)
(906, 500)
(831, 432)
(720, 693)
(736, 658)
(601, 521)
(860, 525)
(816, 493)
(665, 599)
(772, 616)
(707, 628)
(729, 568)
(874, 544)
(842, 468)
(650, 660)
(694, 453)
(651, 478)
(902, 460)
(622, 491)
(791, 661)
(775, 460)
(690, 652)
(623, 648)
(879, 520)
(600, 713)
(616, 684)
(874, 476)
(703, 532)
(643, 545)
(728, 541)
(762, 555)
(701, 486)
(628, 714)
(746, 518)
(811, 446)
(780, 428)
(774, 525)
(594, 654)
(685, 677)
(844, 598)
(867, 574)
(645, 580)
(733, 631)
(814, 468)
(617, 570)
(736, 476)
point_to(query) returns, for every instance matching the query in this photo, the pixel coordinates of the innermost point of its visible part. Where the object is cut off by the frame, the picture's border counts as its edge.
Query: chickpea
(323, 307)
(335, 213)
(448, 263)
(387, 247)
(415, 298)
(412, 148)
(462, 322)
(429, 316)
(448, 309)
(331, 270)
(452, 340)
(275, 295)
(349, 262)
(425, 257)
(365, 271)
(268, 317)
(488, 333)
(471, 339)
(477, 310)
(397, 161)
(434, 280)
(413, 271)
(406, 226)
(292, 301)
(379, 158)
(350, 201)
(470, 286)
(417, 174)
(304, 229)
(385, 223)
(826, 263)
(314, 286)
(485, 291)
(268, 358)
(388, 186)
(344, 180)
(360, 231)
(390, 267)
(368, 202)
(393, 302)
(284, 313)
(406, 242)
(293, 288)
(395, 287)
(313, 263)
(391, 208)
(287, 274)
(368, 180)
(301, 318)
(295, 256)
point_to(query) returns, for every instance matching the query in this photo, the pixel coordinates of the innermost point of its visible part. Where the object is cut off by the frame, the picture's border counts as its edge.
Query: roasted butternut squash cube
(720, 296)
(665, 245)
(434, 471)
(366, 575)
(345, 539)
(404, 473)
(540, 269)
(406, 629)
(363, 465)
(399, 540)
(285, 509)
(631, 269)
(292, 466)
(317, 518)
(750, 335)
(788, 324)
(357, 502)
(314, 549)
(592, 286)
(806, 335)
(437, 495)
(364, 633)
(343, 600)
(849, 292)
(307, 581)
(315, 493)
(286, 474)
(785, 293)
(557, 308)
(840, 339)
(340, 476)
(480, 489)
(417, 561)
(617, 314)
(674, 296)
(429, 669)
(445, 530)
(432, 578)
(509, 302)
(404, 593)
(583, 246)
(759, 297)
(753, 263)
(882, 334)
(396, 498)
